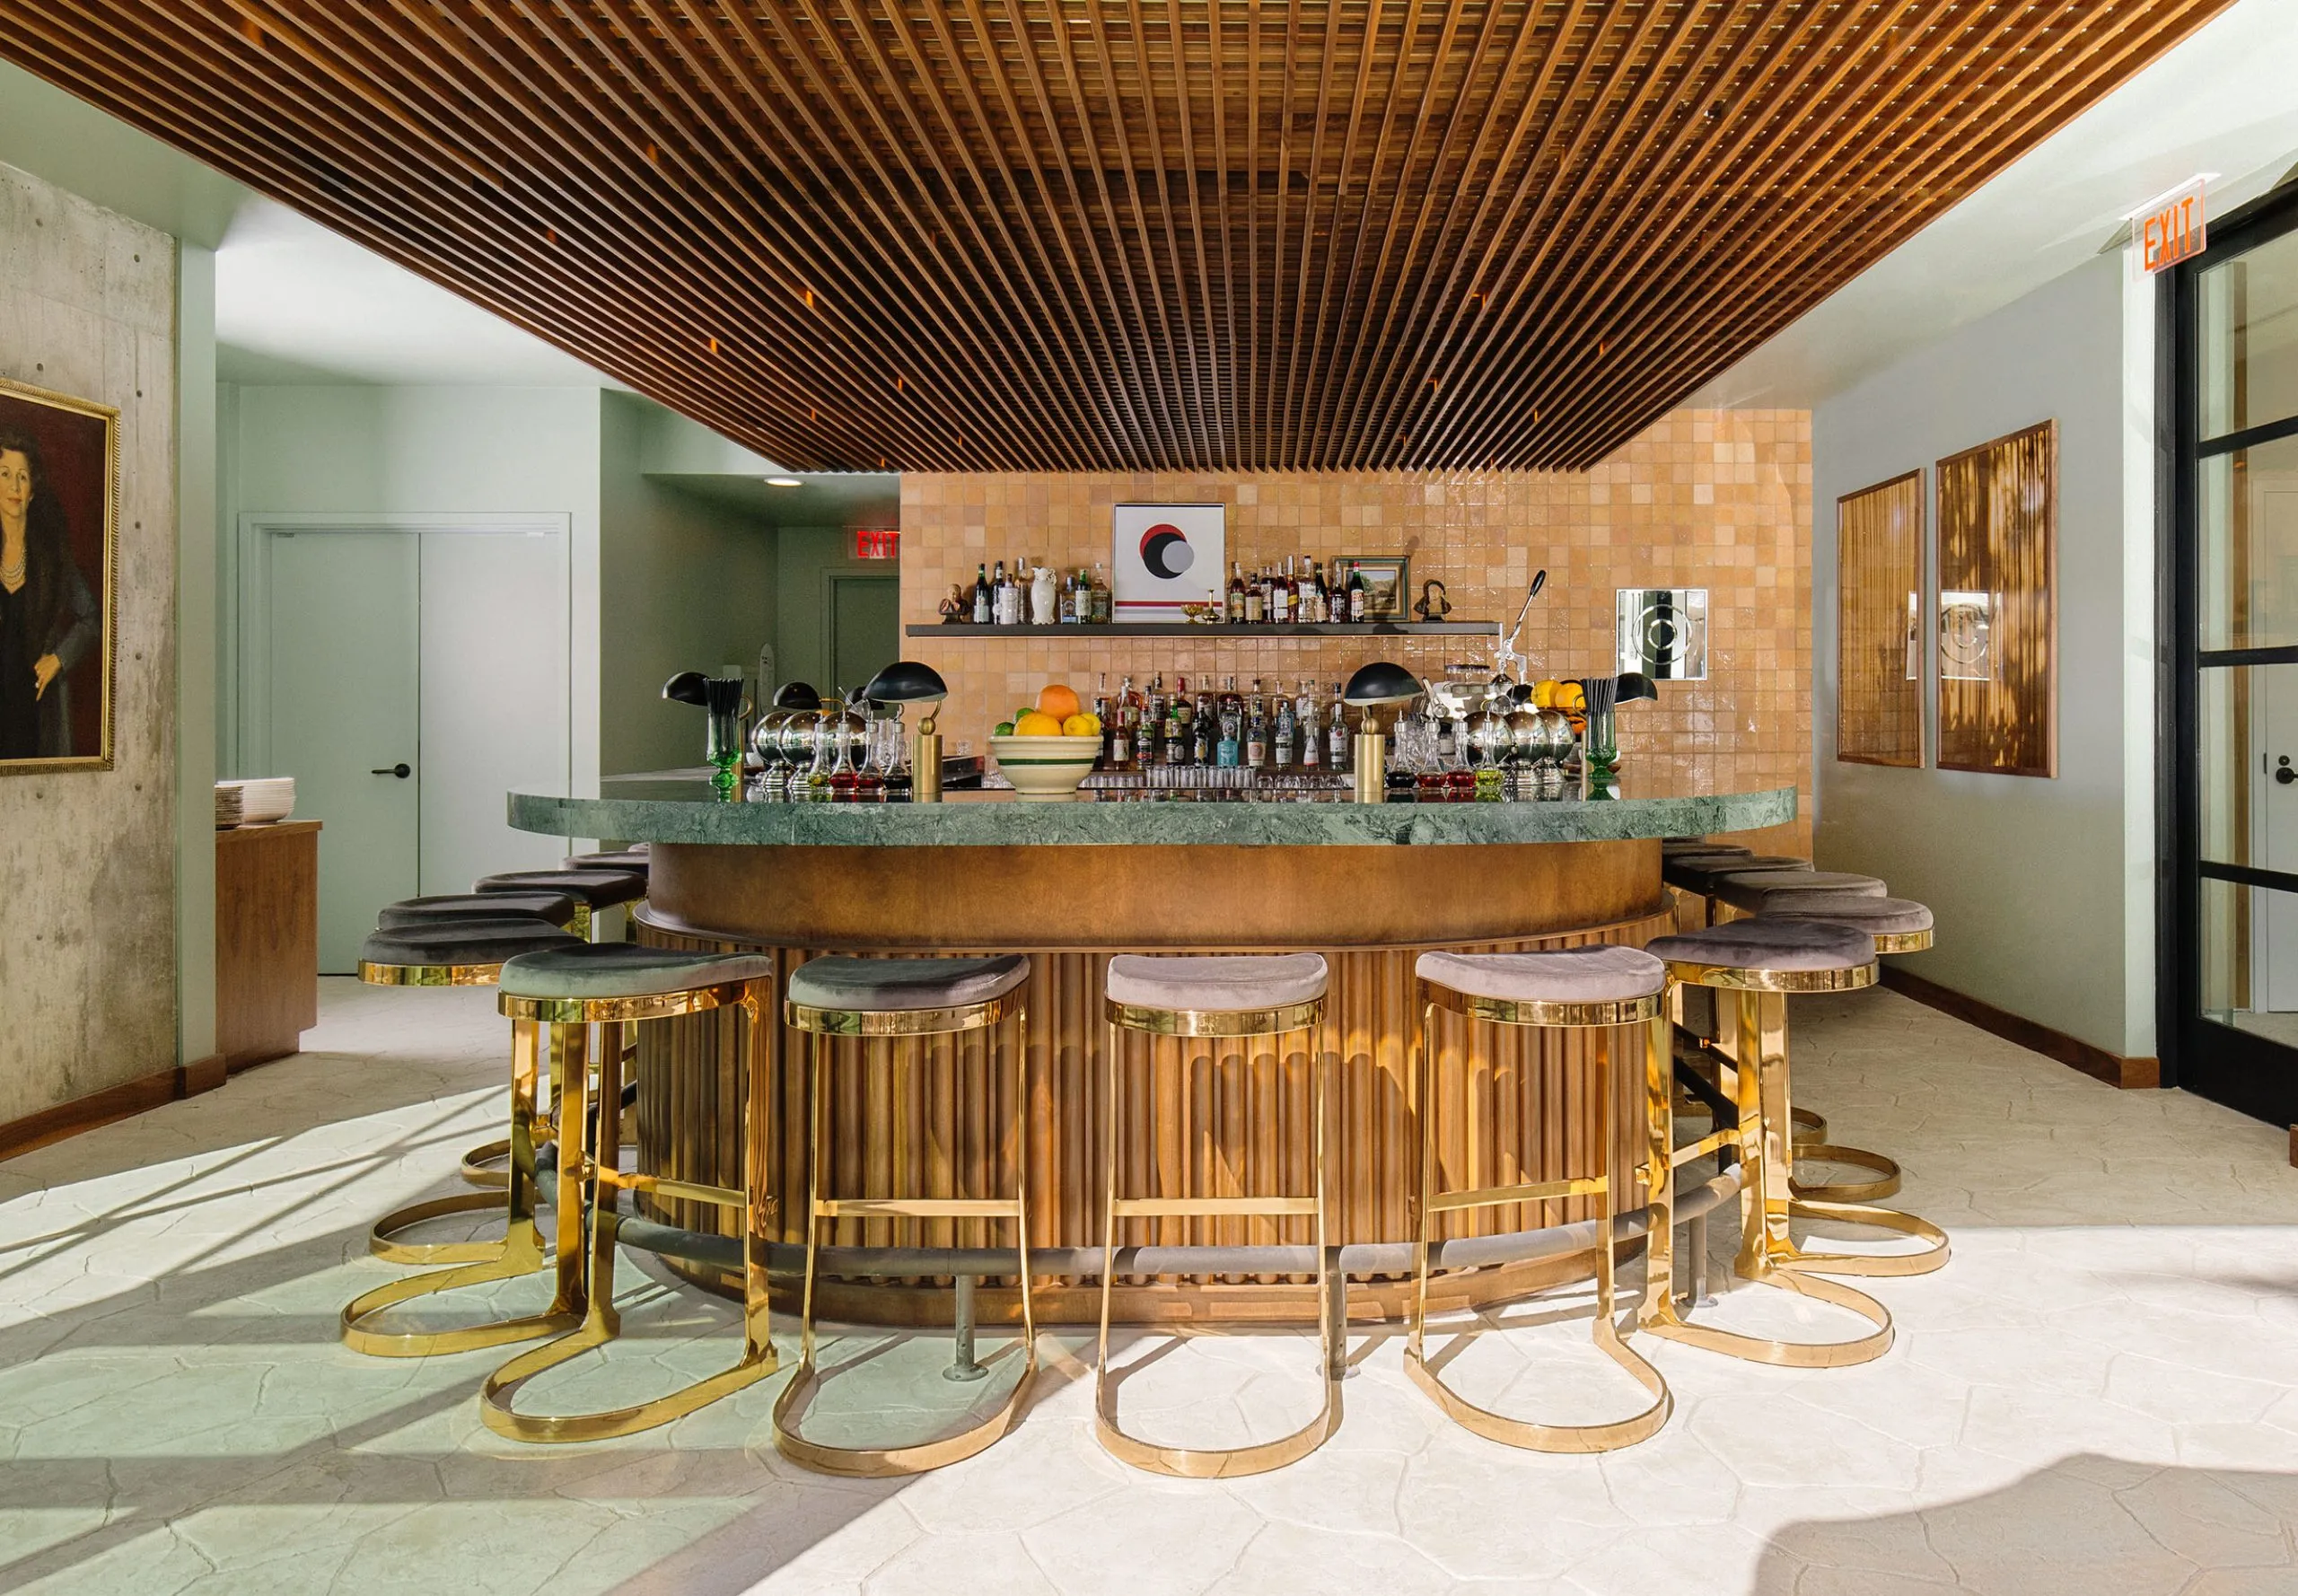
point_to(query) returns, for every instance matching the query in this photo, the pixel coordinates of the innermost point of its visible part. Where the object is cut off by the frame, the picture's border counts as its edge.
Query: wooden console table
(266, 940)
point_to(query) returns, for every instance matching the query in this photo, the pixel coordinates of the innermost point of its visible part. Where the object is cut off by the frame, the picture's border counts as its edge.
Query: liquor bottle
(1203, 730)
(982, 610)
(1103, 605)
(869, 781)
(1177, 725)
(1231, 750)
(1256, 730)
(1319, 601)
(845, 781)
(1288, 731)
(1304, 713)
(1280, 594)
(1336, 745)
(1119, 726)
(1001, 595)
(1256, 600)
(811, 786)
(1150, 724)
(1357, 599)
(1236, 611)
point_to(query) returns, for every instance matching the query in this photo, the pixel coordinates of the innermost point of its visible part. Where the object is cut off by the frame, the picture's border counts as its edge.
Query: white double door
(407, 677)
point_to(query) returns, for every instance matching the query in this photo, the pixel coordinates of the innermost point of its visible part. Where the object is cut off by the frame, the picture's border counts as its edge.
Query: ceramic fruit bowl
(1045, 770)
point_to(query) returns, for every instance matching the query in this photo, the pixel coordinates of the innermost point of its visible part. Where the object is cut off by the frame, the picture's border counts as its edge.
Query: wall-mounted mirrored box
(1664, 632)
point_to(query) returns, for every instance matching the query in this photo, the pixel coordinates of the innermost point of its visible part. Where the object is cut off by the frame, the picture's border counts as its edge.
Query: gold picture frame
(59, 473)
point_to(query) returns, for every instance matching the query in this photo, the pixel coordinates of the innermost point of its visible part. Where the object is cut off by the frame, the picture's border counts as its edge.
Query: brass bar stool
(1225, 997)
(1592, 987)
(471, 953)
(554, 908)
(1898, 926)
(1762, 961)
(617, 985)
(839, 997)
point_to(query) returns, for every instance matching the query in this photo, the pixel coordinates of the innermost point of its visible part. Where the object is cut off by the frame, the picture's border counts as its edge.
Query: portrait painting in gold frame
(59, 497)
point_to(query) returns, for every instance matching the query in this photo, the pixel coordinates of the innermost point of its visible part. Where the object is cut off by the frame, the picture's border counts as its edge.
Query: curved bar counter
(1369, 886)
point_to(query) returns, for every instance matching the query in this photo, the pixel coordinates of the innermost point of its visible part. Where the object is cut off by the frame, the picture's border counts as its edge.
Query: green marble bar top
(686, 811)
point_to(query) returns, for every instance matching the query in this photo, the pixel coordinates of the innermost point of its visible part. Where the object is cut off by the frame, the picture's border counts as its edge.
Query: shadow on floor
(2086, 1523)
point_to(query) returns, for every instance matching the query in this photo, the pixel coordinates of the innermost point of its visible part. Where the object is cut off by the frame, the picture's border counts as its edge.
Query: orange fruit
(1037, 723)
(1059, 702)
(1081, 725)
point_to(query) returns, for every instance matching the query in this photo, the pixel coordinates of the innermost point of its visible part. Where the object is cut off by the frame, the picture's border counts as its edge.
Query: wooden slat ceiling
(988, 234)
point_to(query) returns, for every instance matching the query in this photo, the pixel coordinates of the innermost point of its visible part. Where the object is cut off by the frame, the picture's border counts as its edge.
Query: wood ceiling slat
(1132, 234)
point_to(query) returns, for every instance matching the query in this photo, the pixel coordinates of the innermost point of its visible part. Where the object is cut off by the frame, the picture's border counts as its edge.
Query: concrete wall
(88, 859)
(369, 450)
(2042, 888)
(685, 584)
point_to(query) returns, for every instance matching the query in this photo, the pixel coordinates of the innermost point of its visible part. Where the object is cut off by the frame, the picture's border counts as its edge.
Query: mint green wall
(807, 554)
(686, 583)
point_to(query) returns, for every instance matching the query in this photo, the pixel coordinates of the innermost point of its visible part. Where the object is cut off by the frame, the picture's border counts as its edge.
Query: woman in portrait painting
(48, 619)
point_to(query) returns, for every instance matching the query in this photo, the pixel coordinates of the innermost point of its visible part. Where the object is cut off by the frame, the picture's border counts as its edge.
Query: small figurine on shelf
(955, 608)
(1433, 605)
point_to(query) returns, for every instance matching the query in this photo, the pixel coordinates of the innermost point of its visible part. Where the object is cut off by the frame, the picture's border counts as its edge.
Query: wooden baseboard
(2113, 1068)
(113, 1103)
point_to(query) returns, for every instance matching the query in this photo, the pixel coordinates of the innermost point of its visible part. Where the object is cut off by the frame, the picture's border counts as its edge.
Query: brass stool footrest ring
(884, 1463)
(475, 1162)
(520, 1255)
(1933, 1257)
(1608, 1436)
(1810, 1128)
(1663, 1321)
(379, 1241)
(1885, 1184)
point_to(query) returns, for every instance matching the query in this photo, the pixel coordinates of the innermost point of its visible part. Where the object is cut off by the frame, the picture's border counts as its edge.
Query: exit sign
(2170, 230)
(875, 545)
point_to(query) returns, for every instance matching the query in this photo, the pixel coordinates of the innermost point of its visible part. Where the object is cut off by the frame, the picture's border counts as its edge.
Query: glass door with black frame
(2235, 545)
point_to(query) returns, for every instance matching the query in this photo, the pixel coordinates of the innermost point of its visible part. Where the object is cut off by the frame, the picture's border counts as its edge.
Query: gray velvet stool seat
(460, 953)
(1594, 989)
(593, 889)
(565, 990)
(553, 908)
(1754, 892)
(634, 860)
(1672, 846)
(839, 1002)
(1698, 874)
(1762, 961)
(1221, 997)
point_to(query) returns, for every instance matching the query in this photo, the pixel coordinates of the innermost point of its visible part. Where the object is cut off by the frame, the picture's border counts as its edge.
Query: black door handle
(2283, 773)
(401, 770)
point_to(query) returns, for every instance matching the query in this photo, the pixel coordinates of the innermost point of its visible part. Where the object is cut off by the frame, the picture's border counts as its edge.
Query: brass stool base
(1885, 1184)
(853, 1462)
(1556, 1438)
(1649, 1013)
(381, 1244)
(1663, 1321)
(883, 1462)
(522, 1254)
(1235, 1462)
(475, 1162)
(1932, 1257)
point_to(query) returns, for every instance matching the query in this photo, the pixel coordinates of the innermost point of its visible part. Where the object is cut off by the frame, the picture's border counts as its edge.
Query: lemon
(1081, 725)
(1037, 723)
(1571, 695)
(1544, 693)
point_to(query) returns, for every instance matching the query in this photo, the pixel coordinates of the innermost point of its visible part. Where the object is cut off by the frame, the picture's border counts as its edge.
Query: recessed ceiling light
(784, 482)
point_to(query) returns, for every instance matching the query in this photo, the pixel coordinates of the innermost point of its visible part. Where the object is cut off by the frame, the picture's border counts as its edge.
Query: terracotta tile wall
(1719, 499)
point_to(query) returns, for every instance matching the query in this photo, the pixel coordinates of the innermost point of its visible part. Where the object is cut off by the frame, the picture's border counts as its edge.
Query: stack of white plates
(257, 803)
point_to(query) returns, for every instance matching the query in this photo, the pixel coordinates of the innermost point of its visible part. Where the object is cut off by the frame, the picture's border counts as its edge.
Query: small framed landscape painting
(59, 473)
(1388, 584)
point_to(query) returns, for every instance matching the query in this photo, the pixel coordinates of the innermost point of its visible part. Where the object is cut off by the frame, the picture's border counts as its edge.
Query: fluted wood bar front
(914, 1118)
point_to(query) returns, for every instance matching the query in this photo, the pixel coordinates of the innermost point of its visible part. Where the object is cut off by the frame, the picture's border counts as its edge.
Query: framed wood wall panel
(1997, 576)
(1879, 634)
